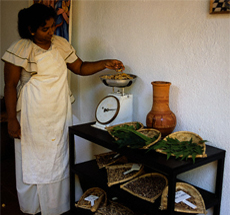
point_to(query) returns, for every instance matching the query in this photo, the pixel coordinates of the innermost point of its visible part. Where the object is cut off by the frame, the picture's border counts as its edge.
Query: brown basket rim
(112, 162)
(186, 132)
(203, 155)
(152, 200)
(138, 130)
(109, 128)
(106, 153)
(89, 192)
(154, 142)
(183, 186)
(115, 204)
(125, 123)
(136, 173)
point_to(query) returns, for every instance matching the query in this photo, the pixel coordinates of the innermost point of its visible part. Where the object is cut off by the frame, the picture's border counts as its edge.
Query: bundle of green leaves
(127, 135)
(183, 149)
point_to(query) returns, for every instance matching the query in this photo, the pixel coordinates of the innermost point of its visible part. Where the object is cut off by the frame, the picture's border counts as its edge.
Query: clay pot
(161, 117)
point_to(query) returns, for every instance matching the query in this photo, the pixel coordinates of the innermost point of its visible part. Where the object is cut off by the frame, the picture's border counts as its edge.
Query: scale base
(99, 126)
(103, 127)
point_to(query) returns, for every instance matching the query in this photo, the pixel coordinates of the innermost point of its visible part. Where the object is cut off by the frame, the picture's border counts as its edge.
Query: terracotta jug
(161, 117)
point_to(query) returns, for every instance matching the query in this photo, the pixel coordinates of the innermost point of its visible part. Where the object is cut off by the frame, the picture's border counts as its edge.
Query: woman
(39, 109)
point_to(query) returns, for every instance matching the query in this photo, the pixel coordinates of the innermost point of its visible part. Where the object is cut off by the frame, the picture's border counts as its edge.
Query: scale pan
(116, 82)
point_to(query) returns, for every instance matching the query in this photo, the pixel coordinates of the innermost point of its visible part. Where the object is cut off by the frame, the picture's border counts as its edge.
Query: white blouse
(22, 53)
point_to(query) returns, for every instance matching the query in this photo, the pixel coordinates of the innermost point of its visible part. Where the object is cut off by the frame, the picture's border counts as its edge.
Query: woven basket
(195, 199)
(101, 201)
(186, 136)
(107, 159)
(118, 171)
(146, 186)
(114, 208)
(150, 132)
(110, 128)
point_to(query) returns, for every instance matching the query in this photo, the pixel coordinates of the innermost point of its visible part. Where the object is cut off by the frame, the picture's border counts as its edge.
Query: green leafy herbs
(128, 136)
(178, 148)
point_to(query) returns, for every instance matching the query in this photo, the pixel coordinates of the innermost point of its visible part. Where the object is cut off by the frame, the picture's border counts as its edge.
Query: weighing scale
(116, 107)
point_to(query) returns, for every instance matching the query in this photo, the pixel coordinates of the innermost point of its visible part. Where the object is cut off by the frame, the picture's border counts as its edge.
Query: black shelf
(152, 160)
(98, 177)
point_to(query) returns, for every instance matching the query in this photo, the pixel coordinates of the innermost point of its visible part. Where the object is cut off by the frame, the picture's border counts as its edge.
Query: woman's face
(44, 34)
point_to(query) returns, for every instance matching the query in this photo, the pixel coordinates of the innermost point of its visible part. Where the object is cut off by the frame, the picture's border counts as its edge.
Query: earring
(32, 34)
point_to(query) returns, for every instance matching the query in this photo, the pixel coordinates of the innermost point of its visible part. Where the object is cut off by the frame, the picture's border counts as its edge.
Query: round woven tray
(119, 170)
(186, 136)
(101, 201)
(153, 198)
(114, 208)
(193, 192)
(109, 158)
(150, 132)
(134, 124)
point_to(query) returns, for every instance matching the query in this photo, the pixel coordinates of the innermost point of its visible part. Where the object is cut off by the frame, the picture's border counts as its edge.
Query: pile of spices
(109, 158)
(147, 187)
(116, 173)
(183, 149)
(185, 206)
(114, 208)
(128, 136)
(100, 198)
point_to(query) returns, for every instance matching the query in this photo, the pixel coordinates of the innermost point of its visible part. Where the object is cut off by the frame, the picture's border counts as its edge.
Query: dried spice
(106, 159)
(128, 136)
(183, 149)
(95, 191)
(147, 186)
(114, 209)
(185, 206)
(195, 199)
(117, 174)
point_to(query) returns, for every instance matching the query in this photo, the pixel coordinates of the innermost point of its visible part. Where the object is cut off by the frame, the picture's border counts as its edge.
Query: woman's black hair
(30, 19)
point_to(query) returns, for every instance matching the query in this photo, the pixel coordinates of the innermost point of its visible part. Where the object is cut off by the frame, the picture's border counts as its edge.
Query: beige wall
(176, 41)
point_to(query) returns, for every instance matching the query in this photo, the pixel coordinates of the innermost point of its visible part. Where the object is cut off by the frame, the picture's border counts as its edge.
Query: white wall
(9, 32)
(176, 41)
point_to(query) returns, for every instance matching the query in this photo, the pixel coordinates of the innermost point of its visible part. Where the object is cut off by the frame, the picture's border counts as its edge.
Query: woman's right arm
(12, 75)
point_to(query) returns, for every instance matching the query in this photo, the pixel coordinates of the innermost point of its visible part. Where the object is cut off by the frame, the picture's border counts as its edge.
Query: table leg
(219, 184)
(171, 193)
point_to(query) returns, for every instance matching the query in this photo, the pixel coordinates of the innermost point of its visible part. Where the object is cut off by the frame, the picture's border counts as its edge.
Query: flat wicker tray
(115, 173)
(101, 201)
(114, 208)
(186, 136)
(134, 124)
(108, 158)
(154, 190)
(195, 199)
(150, 132)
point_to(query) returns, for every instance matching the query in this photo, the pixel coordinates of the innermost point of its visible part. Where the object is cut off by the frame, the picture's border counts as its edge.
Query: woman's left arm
(88, 68)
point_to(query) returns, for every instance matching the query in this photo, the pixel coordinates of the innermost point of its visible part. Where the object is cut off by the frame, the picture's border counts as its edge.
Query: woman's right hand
(14, 128)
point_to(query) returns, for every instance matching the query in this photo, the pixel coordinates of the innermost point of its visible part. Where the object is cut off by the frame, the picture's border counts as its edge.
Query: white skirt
(49, 199)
